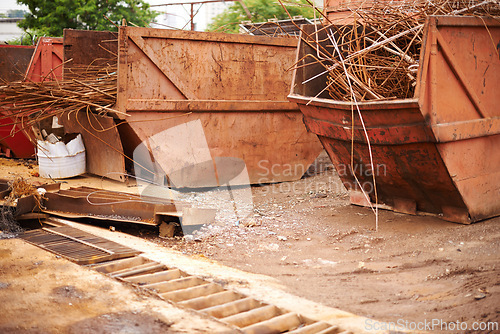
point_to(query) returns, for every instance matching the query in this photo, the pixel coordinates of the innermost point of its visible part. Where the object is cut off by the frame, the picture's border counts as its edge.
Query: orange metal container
(437, 152)
(45, 63)
(234, 86)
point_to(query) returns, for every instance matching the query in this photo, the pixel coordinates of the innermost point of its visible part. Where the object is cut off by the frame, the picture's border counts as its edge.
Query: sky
(5, 5)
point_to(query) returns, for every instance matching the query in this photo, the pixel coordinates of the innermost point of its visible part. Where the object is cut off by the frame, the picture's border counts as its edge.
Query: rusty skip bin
(210, 106)
(15, 65)
(439, 149)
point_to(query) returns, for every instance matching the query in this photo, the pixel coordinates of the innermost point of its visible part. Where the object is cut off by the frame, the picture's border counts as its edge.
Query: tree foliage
(260, 11)
(51, 17)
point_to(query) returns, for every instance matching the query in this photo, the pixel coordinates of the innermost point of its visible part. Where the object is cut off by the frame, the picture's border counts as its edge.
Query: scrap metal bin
(223, 96)
(15, 65)
(437, 152)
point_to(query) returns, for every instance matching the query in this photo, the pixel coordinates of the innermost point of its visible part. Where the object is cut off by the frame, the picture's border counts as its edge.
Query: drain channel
(245, 313)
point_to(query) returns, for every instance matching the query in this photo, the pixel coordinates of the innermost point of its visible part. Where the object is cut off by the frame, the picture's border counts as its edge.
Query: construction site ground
(305, 236)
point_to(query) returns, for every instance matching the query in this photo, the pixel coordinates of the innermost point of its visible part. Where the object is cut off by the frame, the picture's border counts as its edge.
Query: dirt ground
(43, 293)
(412, 270)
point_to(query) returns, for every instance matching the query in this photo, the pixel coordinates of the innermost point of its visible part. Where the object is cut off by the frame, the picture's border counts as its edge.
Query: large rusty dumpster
(224, 98)
(436, 152)
(29, 63)
(14, 60)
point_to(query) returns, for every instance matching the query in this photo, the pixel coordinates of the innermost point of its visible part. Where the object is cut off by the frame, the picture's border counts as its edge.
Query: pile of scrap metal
(275, 27)
(25, 64)
(404, 99)
(49, 203)
(187, 109)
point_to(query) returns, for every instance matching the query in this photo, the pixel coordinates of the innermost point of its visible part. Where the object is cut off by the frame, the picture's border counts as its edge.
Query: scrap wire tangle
(26, 104)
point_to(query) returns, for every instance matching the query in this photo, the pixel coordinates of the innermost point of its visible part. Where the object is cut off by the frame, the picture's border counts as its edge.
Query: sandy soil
(412, 270)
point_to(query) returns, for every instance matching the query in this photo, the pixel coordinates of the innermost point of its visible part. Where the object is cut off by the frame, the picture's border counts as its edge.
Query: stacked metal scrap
(377, 56)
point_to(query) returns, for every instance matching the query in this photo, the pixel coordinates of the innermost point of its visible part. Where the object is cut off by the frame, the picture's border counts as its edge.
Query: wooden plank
(155, 277)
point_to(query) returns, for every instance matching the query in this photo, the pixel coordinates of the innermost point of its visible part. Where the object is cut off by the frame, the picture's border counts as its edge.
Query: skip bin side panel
(474, 167)
(104, 149)
(146, 77)
(14, 61)
(207, 67)
(408, 167)
(274, 146)
(235, 85)
(463, 76)
(102, 143)
(85, 47)
(464, 69)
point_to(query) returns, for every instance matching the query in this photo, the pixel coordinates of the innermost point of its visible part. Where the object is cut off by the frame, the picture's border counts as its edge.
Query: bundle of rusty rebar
(377, 56)
(27, 103)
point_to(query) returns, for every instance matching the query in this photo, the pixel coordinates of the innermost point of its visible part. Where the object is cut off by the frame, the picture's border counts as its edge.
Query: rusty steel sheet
(342, 12)
(436, 152)
(233, 86)
(86, 47)
(103, 145)
(84, 202)
(14, 61)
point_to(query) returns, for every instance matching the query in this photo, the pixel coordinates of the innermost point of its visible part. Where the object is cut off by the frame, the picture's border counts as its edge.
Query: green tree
(51, 17)
(260, 11)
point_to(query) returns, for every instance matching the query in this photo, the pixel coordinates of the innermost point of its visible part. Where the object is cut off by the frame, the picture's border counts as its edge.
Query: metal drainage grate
(245, 313)
(76, 245)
